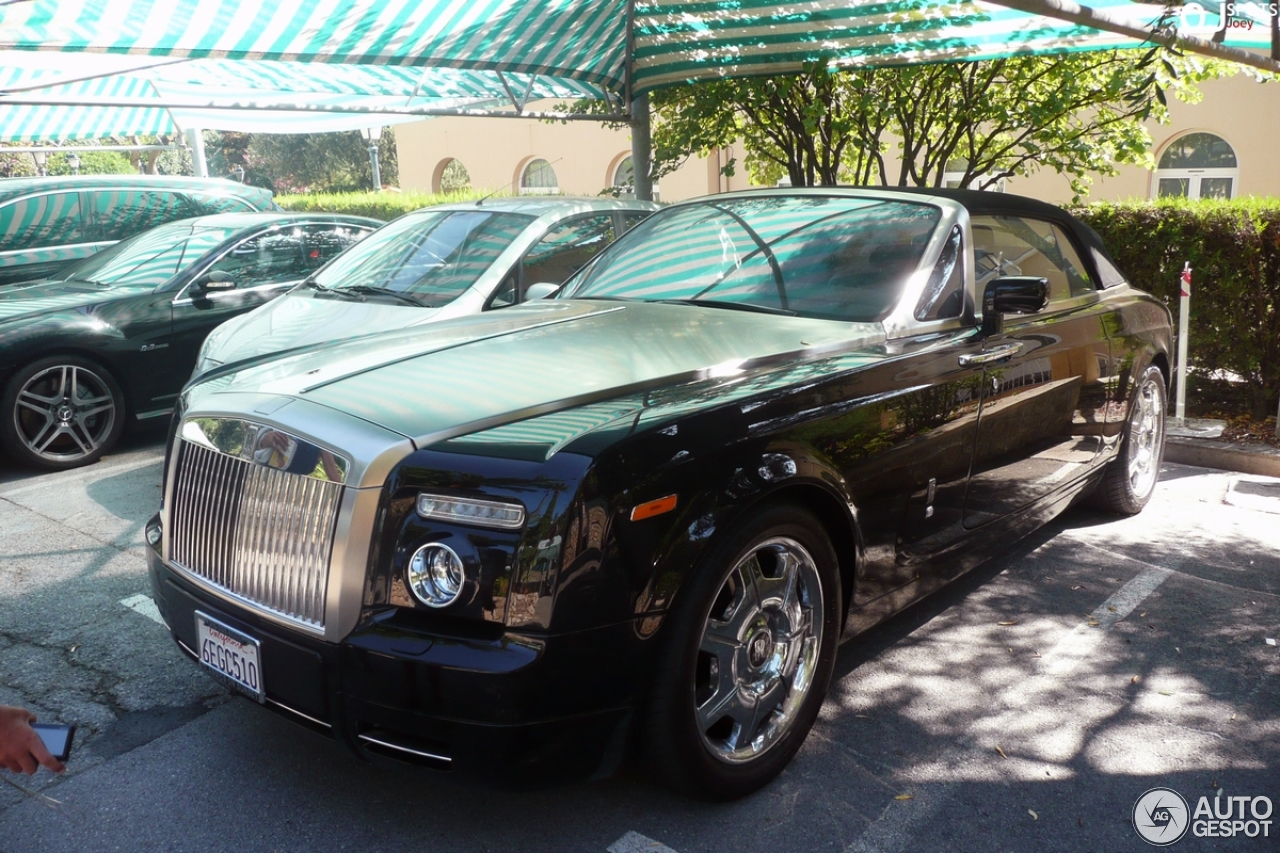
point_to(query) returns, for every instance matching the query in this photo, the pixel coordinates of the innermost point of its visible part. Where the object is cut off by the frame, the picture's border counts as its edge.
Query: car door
(262, 266)
(1043, 411)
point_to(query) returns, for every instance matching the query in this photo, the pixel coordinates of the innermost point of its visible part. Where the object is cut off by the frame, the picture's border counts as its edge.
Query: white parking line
(144, 605)
(1087, 636)
(55, 481)
(634, 842)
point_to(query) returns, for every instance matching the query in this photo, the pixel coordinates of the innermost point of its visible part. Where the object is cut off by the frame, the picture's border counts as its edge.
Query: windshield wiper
(87, 281)
(386, 291)
(335, 292)
(731, 306)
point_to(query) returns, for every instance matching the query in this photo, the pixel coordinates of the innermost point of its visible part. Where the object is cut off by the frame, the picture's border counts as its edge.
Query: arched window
(539, 179)
(454, 177)
(623, 183)
(1197, 165)
(624, 178)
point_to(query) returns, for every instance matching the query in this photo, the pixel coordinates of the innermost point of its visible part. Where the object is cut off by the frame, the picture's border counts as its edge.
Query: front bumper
(507, 709)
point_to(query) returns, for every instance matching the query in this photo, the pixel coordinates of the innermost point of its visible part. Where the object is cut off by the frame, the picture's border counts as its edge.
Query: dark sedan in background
(48, 223)
(114, 337)
(645, 513)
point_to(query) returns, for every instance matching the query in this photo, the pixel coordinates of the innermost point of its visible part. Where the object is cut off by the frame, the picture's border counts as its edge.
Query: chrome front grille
(263, 534)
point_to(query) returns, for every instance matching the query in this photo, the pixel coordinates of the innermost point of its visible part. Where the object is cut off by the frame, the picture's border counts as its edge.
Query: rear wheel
(60, 412)
(750, 653)
(1130, 479)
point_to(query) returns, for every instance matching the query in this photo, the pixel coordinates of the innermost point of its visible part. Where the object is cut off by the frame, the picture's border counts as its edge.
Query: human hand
(21, 749)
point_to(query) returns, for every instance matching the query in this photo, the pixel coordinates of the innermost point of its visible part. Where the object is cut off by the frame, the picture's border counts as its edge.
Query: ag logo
(1161, 817)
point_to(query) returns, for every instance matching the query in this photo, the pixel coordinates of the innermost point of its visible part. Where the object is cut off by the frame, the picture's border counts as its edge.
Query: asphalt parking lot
(1027, 708)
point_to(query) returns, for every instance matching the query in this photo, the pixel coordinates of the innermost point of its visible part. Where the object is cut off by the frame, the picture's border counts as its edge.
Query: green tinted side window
(118, 214)
(209, 203)
(41, 221)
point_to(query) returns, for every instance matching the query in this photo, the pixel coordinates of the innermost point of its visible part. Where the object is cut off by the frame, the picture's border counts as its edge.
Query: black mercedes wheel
(61, 412)
(1130, 479)
(750, 653)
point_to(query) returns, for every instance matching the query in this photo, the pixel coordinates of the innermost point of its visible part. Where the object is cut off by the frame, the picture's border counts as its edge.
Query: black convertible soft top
(996, 204)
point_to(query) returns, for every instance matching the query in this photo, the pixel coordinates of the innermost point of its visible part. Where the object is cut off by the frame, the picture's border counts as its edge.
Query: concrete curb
(1228, 456)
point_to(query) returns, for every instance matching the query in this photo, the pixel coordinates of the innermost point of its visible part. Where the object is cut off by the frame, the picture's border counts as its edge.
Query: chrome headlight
(436, 575)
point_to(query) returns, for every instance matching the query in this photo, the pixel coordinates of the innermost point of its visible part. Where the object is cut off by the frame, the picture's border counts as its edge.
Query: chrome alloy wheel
(759, 649)
(1146, 436)
(64, 413)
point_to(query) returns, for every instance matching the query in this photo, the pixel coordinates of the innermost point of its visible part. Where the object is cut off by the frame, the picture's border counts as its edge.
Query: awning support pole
(195, 140)
(641, 148)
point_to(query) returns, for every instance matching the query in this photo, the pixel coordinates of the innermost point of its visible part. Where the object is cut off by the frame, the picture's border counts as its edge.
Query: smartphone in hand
(56, 737)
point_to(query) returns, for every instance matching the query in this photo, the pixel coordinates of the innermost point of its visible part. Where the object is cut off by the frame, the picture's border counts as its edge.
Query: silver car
(432, 264)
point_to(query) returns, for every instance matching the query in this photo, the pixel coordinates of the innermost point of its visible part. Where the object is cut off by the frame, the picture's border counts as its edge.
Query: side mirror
(1012, 294)
(541, 290)
(215, 281)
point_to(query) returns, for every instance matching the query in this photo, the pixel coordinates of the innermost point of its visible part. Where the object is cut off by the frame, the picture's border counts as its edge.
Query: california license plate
(233, 656)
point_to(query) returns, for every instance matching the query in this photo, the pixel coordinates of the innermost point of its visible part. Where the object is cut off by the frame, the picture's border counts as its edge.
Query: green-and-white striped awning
(327, 57)
(150, 98)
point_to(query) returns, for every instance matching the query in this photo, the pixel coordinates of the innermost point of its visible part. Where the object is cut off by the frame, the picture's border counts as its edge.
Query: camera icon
(1161, 817)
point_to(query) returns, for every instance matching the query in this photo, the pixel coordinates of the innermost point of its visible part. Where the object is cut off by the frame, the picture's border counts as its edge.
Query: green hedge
(381, 205)
(1234, 251)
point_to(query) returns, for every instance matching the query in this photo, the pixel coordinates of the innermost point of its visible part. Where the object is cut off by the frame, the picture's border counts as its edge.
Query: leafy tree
(16, 165)
(316, 162)
(1077, 114)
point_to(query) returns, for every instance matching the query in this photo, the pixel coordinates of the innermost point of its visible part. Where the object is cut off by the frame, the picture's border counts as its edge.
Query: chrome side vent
(261, 533)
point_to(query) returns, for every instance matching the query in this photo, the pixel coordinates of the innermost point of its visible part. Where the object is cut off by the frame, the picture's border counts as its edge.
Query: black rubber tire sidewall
(13, 443)
(674, 751)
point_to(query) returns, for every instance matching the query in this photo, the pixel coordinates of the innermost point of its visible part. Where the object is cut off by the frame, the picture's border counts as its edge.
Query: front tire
(60, 412)
(750, 650)
(1130, 479)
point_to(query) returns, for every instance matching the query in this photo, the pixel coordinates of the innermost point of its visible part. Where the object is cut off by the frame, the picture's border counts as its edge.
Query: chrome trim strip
(400, 748)
(154, 413)
(352, 541)
(285, 707)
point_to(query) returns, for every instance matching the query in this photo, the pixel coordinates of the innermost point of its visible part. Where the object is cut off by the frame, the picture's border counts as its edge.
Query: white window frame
(524, 173)
(1195, 177)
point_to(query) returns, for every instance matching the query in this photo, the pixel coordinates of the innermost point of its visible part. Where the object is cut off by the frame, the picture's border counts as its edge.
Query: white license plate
(230, 654)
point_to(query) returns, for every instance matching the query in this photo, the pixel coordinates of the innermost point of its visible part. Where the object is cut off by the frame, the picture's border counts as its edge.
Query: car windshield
(433, 256)
(829, 257)
(151, 258)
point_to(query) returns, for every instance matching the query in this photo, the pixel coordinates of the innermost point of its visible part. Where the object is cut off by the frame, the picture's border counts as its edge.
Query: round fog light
(435, 575)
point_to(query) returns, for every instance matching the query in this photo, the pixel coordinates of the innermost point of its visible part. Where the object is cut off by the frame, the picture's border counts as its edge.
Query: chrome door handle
(994, 354)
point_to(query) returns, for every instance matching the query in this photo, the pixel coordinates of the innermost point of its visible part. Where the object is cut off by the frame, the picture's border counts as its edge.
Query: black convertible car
(112, 338)
(644, 513)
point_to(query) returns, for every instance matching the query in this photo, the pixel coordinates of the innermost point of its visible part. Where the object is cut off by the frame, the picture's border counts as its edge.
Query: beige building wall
(1239, 109)
(585, 155)
(495, 151)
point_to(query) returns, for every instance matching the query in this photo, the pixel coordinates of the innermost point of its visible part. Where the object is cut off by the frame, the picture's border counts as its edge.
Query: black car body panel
(631, 439)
